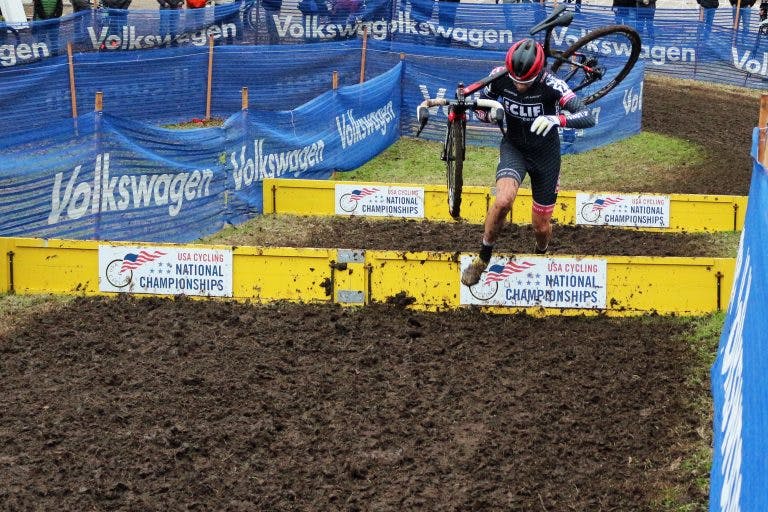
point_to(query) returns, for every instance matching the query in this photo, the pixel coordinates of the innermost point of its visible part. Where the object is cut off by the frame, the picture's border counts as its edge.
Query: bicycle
(582, 66)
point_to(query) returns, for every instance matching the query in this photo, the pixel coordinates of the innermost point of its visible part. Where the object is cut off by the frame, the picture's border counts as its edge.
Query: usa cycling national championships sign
(640, 211)
(379, 201)
(543, 282)
(165, 270)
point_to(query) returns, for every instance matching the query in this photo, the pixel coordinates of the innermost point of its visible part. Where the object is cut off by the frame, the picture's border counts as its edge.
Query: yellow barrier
(688, 213)
(430, 280)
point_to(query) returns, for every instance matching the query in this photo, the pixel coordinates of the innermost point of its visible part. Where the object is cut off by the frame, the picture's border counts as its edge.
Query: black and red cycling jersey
(522, 152)
(548, 95)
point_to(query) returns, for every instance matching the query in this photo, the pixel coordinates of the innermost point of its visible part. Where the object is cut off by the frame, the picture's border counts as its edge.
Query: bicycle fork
(453, 118)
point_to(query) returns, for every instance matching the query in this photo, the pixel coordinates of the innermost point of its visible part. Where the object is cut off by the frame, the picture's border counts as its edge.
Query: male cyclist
(534, 102)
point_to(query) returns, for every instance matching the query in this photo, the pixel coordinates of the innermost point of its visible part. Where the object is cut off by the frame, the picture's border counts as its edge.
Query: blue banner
(339, 131)
(739, 478)
(103, 177)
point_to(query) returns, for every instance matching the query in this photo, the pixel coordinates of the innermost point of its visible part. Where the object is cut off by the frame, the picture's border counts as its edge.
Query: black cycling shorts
(542, 162)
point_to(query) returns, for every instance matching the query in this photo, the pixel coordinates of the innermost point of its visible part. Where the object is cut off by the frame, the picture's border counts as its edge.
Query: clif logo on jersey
(526, 112)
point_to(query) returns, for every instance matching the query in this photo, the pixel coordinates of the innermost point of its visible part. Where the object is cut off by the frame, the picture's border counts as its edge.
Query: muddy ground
(721, 120)
(410, 235)
(152, 404)
(158, 404)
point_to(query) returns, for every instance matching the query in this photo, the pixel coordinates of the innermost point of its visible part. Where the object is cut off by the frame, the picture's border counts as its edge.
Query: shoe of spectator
(471, 274)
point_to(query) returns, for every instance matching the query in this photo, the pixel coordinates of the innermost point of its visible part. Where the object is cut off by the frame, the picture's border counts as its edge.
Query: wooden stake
(335, 85)
(761, 124)
(99, 103)
(244, 103)
(210, 79)
(362, 58)
(72, 93)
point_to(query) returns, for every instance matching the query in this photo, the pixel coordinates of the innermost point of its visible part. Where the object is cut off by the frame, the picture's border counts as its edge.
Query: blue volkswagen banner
(338, 131)
(103, 177)
(739, 478)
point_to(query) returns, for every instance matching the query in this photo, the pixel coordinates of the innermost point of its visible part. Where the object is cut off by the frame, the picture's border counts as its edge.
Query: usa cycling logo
(591, 212)
(348, 202)
(488, 285)
(119, 272)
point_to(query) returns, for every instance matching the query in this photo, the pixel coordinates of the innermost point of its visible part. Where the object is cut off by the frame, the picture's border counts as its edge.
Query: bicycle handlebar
(469, 104)
(422, 111)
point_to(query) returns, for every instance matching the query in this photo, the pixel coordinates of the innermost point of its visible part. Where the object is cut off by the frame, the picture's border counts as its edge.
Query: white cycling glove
(496, 114)
(542, 124)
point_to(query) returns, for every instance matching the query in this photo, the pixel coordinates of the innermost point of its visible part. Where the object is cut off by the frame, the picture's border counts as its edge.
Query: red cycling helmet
(525, 59)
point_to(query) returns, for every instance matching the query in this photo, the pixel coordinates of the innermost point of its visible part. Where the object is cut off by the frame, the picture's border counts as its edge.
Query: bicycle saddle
(559, 18)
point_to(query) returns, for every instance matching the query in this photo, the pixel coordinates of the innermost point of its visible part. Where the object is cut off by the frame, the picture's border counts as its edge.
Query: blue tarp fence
(739, 478)
(107, 177)
(103, 177)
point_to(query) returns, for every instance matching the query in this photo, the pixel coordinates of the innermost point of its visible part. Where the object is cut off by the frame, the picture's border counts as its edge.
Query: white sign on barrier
(641, 211)
(379, 201)
(165, 270)
(537, 281)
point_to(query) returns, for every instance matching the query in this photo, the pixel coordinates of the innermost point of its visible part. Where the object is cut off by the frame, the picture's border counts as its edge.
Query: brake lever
(421, 126)
(422, 114)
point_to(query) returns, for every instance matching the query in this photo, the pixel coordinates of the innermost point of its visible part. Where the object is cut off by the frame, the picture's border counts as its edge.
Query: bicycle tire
(592, 90)
(454, 165)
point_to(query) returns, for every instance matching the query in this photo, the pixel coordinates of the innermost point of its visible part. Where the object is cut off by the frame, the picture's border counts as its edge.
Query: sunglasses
(524, 82)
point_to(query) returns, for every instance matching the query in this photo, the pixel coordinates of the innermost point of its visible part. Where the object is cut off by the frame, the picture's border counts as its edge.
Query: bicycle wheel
(598, 62)
(454, 165)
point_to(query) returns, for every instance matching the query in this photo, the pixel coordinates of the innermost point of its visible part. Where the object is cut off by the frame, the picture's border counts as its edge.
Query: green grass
(15, 308)
(643, 163)
(692, 471)
(721, 244)
(272, 231)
